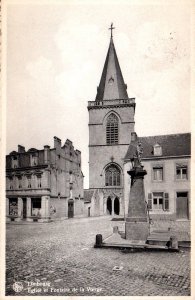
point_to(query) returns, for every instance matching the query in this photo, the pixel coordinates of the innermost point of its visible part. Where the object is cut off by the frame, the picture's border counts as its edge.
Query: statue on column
(136, 225)
(137, 157)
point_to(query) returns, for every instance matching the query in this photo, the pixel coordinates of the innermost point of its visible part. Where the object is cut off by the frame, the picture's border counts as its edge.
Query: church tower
(111, 122)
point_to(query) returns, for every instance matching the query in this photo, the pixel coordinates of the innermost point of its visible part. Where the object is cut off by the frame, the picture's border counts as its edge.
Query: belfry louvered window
(112, 130)
(112, 176)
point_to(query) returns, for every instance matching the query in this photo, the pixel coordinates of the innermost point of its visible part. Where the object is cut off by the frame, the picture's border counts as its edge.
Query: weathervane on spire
(111, 28)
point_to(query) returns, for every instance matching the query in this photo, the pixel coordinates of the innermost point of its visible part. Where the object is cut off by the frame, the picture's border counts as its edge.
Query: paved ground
(58, 258)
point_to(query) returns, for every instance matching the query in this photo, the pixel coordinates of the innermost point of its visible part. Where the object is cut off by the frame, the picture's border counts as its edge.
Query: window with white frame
(157, 202)
(158, 173)
(181, 172)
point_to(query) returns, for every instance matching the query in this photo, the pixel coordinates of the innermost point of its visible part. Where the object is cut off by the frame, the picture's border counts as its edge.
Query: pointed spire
(111, 85)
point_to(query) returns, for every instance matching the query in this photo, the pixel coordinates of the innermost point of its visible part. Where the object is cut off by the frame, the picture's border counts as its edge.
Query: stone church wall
(99, 157)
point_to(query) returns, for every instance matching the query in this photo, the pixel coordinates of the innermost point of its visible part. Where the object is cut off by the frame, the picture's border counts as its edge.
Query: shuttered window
(149, 201)
(166, 201)
(112, 129)
(158, 201)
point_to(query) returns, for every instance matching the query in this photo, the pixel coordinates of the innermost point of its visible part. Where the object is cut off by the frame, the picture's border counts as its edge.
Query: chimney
(133, 136)
(57, 145)
(46, 154)
(68, 142)
(21, 149)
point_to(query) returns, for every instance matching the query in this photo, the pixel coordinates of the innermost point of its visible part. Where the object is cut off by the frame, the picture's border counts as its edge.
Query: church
(111, 135)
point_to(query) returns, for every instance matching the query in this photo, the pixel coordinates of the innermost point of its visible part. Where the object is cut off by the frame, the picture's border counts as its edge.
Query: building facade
(112, 141)
(111, 121)
(166, 158)
(44, 184)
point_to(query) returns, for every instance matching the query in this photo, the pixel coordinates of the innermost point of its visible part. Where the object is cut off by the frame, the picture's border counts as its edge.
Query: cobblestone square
(58, 258)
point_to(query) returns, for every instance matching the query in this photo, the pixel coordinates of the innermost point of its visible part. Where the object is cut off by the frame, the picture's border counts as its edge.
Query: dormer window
(111, 80)
(14, 162)
(157, 150)
(33, 160)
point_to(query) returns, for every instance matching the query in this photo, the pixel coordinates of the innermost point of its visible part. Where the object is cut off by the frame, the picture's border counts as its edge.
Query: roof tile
(172, 145)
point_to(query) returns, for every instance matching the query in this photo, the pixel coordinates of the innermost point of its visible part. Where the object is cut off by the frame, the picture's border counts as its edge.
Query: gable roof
(111, 85)
(172, 145)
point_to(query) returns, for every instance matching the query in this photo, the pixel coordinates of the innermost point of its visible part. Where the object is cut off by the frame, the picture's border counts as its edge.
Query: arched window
(112, 176)
(112, 129)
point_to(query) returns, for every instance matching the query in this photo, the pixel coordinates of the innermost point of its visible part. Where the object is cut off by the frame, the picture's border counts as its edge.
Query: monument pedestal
(136, 224)
(136, 231)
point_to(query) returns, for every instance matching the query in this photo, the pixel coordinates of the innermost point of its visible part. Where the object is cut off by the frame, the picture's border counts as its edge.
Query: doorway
(109, 206)
(116, 206)
(182, 205)
(89, 211)
(24, 208)
(70, 209)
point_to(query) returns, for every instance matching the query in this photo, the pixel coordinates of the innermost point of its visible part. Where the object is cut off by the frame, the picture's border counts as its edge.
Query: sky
(55, 56)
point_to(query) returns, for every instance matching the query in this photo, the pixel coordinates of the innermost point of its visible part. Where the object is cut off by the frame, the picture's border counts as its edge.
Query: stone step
(134, 246)
(156, 246)
(165, 240)
(158, 238)
(161, 233)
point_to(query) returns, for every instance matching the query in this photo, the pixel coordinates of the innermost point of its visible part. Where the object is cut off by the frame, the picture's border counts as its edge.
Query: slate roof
(111, 85)
(172, 145)
(88, 195)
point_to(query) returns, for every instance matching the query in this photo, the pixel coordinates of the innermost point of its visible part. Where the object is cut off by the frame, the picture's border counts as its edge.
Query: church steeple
(112, 84)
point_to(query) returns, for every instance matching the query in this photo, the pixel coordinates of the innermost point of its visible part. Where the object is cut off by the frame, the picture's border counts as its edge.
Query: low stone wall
(163, 217)
(182, 229)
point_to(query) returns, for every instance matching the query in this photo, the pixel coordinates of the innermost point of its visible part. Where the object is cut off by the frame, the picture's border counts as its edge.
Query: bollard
(173, 242)
(115, 229)
(98, 241)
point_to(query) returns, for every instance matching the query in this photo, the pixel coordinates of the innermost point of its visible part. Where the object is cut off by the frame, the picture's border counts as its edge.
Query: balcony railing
(124, 102)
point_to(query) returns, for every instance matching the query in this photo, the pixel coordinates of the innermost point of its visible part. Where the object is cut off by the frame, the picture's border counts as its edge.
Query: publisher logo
(18, 287)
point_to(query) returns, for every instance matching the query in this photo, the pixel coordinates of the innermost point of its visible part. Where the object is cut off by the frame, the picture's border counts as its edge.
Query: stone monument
(136, 223)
